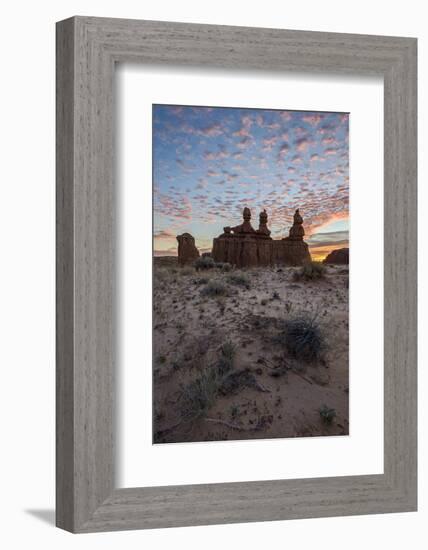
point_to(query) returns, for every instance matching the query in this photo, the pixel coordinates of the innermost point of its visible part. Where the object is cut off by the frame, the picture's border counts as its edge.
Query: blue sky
(210, 162)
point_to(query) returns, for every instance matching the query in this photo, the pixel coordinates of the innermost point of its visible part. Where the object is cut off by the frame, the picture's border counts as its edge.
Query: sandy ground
(284, 395)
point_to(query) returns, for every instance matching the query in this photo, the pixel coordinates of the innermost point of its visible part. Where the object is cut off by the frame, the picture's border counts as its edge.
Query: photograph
(250, 273)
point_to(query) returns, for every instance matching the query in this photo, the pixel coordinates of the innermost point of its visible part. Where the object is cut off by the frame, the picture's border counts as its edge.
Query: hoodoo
(243, 246)
(187, 251)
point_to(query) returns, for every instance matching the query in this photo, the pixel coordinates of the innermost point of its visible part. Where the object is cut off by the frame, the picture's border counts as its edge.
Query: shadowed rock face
(296, 231)
(245, 228)
(263, 228)
(187, 251)
(291, 252)
(339, 256)
(244, 246)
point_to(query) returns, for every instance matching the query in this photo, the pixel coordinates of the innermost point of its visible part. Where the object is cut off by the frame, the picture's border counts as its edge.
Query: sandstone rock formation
(296, 250)
(263, 228)
(296, 231)
(245, 228)
(243, 246)
(187, 251)
(339, 256)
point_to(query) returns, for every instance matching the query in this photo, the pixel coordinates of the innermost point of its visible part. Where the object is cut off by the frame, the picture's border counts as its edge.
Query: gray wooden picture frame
(87, 50)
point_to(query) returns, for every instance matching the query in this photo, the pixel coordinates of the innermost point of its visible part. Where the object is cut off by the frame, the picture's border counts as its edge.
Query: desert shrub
(275, 296)
(303, 338)
(223, 266)
(160, 274)
(187, 270)
(228, 350)
(204, 262)
(288, 307)
(202, 280)
(234, 411)
(227, 355)
(239, 279)
(224, 365)
(214, 288)
(197, 397)
(310, 271)
(327, 414)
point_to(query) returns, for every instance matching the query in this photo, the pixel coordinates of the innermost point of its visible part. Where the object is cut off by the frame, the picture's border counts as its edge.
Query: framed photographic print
(236, 274)
(226, 334)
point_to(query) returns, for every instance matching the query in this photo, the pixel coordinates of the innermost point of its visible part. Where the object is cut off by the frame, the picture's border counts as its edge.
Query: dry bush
(327, 414)
(240, 279)
(303, 338)
(204, 262)
(198, 397)
(310, 272)
(187, 270)
(214, 289)
(227, 356)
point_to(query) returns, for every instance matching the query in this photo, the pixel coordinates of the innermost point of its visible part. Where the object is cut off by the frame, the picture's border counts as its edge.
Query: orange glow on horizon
(319, 253)
(314, 229)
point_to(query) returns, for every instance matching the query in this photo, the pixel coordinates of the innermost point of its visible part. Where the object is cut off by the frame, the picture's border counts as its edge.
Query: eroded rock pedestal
(293, 248)
(187, 251)
(244, 246)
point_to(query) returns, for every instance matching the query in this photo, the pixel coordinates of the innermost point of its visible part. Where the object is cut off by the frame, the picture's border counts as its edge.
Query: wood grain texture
(64, 276)
(87, 49)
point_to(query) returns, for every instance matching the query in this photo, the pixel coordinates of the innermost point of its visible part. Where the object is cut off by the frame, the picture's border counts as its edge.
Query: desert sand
(222, 368)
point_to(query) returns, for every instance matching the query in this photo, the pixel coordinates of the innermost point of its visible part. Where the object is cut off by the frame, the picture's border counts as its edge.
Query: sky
(211, 162)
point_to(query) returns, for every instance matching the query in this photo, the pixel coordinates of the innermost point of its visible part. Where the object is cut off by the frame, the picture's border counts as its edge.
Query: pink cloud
(213, 130)
(212, 174)
(268, 143)
(244, 143)
(268, 125)
(300, 131)
(164, 234)
(285, 116)
(208, 155)
(283, 150)
(302, 143)
(186, 167)
(328, 141)
(244, 131)
(313, 120)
